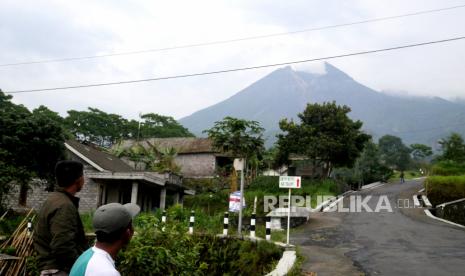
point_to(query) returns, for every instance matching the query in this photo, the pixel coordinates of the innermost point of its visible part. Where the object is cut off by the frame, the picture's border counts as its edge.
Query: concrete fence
(453, 211)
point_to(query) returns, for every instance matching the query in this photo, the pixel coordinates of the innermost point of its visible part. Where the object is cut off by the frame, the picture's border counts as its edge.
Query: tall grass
(442, 189)
(446, 168)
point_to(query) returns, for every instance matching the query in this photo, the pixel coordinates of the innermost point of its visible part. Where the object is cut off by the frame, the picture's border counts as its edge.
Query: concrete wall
(37, 195)
(454, 212)
(197, 165)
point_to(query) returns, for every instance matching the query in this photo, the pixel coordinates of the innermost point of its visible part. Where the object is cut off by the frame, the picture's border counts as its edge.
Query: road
(402, 242)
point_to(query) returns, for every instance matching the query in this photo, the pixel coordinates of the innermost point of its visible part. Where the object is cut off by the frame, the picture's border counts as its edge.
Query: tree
(420, 152)
(149, 157)
(367, 169)
(370, 166)
(30, 145)
(325, 135)
(97, 126)
(394, 153)
(269, 159)
(453, 148)
(240, 138)
(154, 125)
(106, 129)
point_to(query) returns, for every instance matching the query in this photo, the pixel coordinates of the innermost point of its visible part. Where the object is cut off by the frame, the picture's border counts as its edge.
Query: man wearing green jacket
(59, 236)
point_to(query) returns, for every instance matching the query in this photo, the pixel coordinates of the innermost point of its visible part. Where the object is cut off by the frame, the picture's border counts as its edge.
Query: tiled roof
(104, 160)
(181, 145)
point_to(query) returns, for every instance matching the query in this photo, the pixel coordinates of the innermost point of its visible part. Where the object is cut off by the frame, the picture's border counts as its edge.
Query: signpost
(290, 182)
(239, 165)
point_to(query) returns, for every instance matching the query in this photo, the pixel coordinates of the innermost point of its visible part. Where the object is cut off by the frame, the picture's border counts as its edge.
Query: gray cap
(114, 216)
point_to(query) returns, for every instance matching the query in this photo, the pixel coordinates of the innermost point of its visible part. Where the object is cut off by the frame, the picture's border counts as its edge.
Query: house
(109, 179)
(195, 156)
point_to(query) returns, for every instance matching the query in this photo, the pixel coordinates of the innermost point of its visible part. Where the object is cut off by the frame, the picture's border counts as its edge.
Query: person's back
(94, 261)
(59, 235)
(113, 229)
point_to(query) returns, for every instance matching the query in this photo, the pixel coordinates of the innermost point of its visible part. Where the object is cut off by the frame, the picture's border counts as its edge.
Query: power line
(238, 69)
(236, 39)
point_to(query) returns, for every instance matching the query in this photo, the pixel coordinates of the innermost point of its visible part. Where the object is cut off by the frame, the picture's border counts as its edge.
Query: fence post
(29, 227)
(252, 226)
(191, 223)
(268, 228)
(163, 220)
(225, 223)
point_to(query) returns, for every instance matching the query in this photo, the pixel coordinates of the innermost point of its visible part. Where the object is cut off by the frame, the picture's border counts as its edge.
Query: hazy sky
(42, 30)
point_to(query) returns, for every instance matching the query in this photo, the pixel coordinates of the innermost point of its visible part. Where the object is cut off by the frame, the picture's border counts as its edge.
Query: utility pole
(138, 129)
(241, 201)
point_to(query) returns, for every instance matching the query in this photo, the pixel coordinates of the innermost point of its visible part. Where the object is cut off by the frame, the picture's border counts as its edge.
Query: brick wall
(37, 195)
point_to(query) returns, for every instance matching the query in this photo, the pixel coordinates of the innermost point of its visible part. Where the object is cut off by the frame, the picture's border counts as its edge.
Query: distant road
(404, 242)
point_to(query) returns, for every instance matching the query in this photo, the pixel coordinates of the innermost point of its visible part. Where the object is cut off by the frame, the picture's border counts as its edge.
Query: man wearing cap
(59, 236)
(113, 228)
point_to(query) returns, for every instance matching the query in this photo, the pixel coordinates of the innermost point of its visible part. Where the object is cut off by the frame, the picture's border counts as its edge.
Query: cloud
(56, 29)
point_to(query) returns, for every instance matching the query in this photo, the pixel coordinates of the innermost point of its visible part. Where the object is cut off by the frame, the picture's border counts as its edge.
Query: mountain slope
(285, 92)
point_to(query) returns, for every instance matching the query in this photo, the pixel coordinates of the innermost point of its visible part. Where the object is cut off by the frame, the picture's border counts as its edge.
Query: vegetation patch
(215, 204)
(442, 189)
(447, 168)
(173, 252)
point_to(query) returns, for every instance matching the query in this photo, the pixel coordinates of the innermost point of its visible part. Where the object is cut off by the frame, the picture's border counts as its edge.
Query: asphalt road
(401, 242)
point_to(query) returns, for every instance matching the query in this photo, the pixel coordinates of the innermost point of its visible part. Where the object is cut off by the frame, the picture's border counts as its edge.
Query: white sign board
(235, 202)
(238, 164)
(290, 182)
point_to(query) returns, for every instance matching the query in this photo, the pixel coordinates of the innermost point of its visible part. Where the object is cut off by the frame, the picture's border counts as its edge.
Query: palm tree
(149, 157)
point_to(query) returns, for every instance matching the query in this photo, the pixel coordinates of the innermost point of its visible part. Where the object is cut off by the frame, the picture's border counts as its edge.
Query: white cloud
(56, 29)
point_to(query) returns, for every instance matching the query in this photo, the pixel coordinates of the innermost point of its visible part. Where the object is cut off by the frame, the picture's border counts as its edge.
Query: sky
(46, 30)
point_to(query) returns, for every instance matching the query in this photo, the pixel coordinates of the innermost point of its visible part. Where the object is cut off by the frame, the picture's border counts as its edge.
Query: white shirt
(94, 262)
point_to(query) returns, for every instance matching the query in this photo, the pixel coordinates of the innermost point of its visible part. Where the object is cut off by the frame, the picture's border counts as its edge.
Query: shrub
(269, 185)
(201, 184)
(442, 189)
(448, 168)
(9, 223)
(174, 252)
(208, 202)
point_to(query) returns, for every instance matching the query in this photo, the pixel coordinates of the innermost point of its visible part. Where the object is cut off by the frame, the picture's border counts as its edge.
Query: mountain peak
(333, 71)
(286, 70)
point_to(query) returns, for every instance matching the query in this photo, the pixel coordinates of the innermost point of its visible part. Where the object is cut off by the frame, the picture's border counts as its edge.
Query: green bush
(442, 189)
(270, 186)
(86, 219)
(208, 202)
(215, 204)
(448, 168)
(174, 252)
(201, 184)
(9, 223)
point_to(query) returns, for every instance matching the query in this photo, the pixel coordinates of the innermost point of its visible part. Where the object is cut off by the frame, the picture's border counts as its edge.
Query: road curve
(402, 242)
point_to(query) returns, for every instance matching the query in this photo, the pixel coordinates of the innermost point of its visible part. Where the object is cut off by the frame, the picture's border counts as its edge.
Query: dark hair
(67, 172)
(113, 236)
